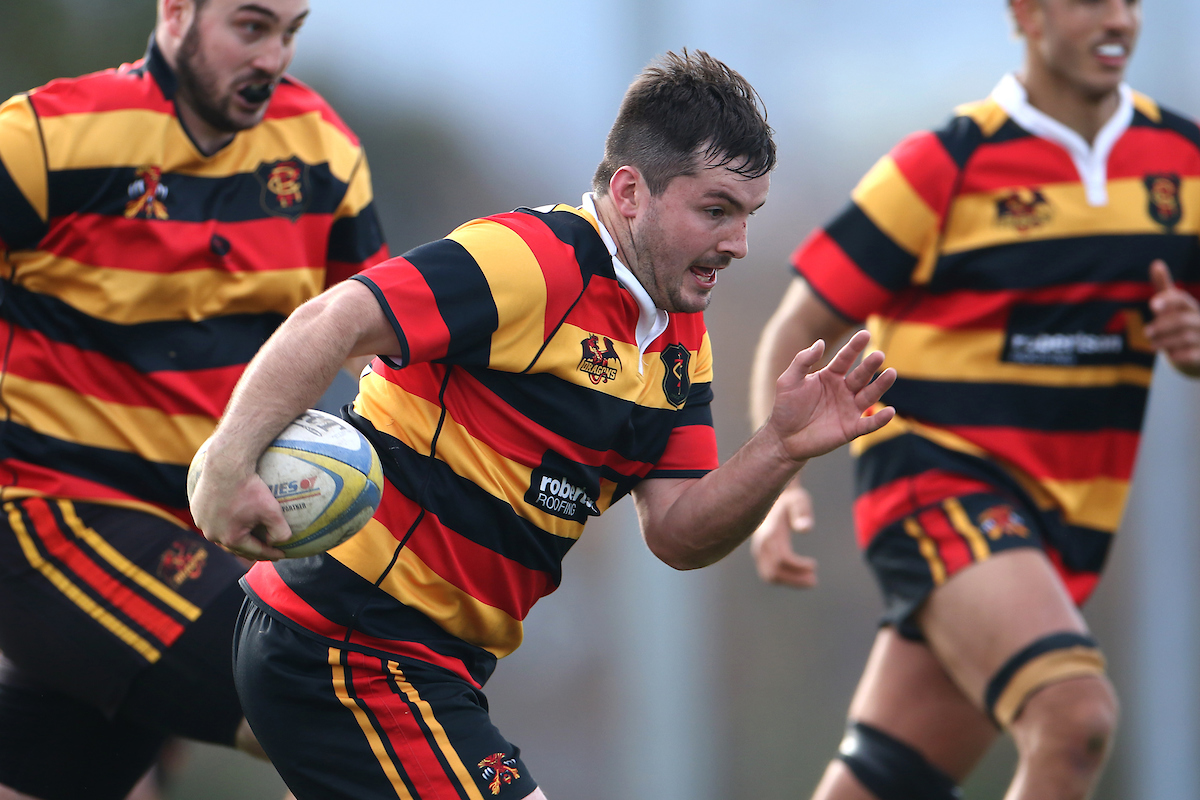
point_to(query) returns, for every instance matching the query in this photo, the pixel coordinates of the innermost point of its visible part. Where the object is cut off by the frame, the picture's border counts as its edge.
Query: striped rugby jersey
(141, 276)
(1003, 266)
(520, 405)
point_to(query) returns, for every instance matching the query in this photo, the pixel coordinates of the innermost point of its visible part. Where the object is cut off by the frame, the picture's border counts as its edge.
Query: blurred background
(635, 681)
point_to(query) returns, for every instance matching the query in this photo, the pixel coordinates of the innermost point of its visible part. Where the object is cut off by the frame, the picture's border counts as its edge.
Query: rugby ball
(325, 475)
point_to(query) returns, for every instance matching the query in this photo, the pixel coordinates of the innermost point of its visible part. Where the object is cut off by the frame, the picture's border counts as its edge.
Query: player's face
(232, 57)
(1085, 44)
(689, 233)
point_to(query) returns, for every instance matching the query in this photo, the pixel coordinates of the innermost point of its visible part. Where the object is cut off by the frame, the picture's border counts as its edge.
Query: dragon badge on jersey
(499, 770)
(596, 361)
(285, 190)
(147, 195)
(182, 562)
(1000, 521)
(1023, 210)
(1164, 206)
(676, 381)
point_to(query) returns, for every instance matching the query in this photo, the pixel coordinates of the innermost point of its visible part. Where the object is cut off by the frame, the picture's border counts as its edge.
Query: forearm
(293, 369)
(707, 518)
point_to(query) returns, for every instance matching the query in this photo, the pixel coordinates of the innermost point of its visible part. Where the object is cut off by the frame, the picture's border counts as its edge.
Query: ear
(1027, 14)
(176, 16)
(628, 191)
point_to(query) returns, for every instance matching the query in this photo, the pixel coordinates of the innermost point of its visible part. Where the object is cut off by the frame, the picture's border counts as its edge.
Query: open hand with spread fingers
(816, 412)
(1175, 329)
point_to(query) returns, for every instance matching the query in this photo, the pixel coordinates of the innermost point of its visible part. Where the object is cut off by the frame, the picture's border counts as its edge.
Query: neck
(1083, 113)
(617, 227)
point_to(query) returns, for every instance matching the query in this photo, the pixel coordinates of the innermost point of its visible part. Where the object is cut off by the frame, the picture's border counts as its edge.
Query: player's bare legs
(974, 624)
(1064, 731)
(906, 693)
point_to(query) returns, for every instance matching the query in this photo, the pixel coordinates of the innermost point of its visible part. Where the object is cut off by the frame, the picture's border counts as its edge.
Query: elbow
(678, 556)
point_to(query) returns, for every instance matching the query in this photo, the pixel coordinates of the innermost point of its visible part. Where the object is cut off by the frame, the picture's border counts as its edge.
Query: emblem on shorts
(676, 381)
(147, 195)
(597, 362)
(499, 770)
(182, 562)
(284, 188)
(1023, 210)
(1164, 206)
(1000, 521)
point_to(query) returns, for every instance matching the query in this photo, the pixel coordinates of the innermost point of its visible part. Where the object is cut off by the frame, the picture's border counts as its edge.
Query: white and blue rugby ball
(326, 477)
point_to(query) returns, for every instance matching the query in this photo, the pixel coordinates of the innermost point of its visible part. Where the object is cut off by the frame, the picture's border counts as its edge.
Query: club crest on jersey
(1023, 209)
(284, 188)
(182, 562)
(1164, 205)
(499, 770)
(676, 381)
(596, 362)
(1000, 521)
(147, 195)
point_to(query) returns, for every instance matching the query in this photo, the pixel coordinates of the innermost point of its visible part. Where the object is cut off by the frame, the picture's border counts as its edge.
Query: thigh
(54, 747)
(978, 620)
(339, 723)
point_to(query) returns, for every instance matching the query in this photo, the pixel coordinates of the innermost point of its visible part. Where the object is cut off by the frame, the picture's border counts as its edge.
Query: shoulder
(296, 102)
(1149, 114)
(128, 87)
(559, 237)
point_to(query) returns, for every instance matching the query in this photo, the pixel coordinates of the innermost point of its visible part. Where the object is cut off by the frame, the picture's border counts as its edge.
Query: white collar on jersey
(652, 320)
(1090, 161)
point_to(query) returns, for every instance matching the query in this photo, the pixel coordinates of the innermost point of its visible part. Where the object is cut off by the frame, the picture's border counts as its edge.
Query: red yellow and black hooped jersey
(520, 405)
(140, 276)
(1008, 283)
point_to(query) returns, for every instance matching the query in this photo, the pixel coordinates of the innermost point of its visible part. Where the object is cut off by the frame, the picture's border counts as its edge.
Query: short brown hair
(684, 110)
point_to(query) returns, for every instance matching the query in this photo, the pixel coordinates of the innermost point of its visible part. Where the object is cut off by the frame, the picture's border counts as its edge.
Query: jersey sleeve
(871, 250)
(356, 238)
(479, 297)
(24, 192)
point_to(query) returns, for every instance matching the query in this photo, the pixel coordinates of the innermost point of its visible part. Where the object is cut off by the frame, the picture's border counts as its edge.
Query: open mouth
(706, 275)
(1112, 51)
(256, 93)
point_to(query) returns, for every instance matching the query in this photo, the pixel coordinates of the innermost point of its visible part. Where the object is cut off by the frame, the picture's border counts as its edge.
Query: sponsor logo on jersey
(1000, 521)
(596, 362)
(499, 770)
(676, 381)
(182, 562)
(147, 195)
(1023, 210)
(284, 188)
(1164, 206)
(557, 487)
(1083, 334)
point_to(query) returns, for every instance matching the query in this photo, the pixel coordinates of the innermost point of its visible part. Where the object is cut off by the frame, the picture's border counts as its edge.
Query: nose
(736, 245)
(1121, 16)
(272, 56)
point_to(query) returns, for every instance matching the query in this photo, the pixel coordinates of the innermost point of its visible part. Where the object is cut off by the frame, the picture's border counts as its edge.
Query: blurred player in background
(157, 222)
(536, 367)
(1019, 266)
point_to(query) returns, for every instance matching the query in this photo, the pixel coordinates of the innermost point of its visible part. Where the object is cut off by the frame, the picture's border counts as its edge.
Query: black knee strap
(1052, 658)
(890, 769)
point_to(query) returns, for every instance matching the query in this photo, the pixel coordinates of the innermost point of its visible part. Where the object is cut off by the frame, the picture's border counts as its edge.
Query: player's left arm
(1175, 329)
(693, 522)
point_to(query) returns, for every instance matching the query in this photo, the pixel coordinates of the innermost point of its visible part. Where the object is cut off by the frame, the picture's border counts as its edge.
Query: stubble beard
(199, 87)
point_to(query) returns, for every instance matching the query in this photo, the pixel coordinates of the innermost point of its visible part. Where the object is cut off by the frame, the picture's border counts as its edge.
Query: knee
(1072, 722)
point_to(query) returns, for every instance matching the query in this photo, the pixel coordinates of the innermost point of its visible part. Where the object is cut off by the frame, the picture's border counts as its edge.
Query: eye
(716, 212)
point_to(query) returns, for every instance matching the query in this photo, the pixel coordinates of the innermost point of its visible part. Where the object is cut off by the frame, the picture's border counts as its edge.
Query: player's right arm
(286, 377)
(801, 319)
